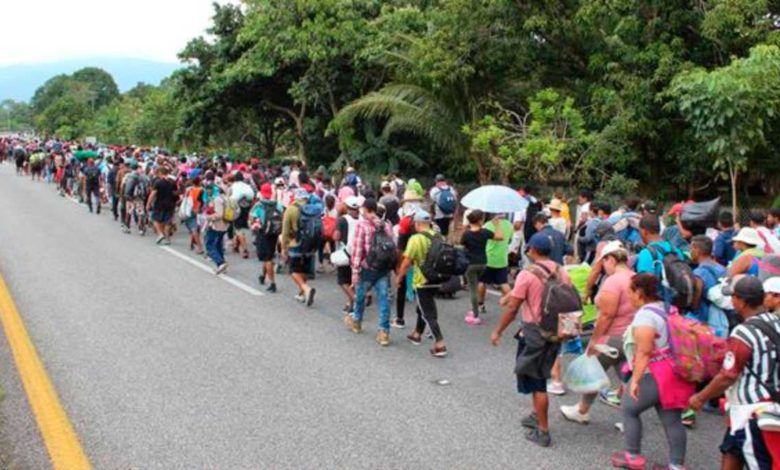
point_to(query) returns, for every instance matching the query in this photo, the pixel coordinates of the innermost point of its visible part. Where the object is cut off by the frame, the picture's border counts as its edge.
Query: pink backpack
(698, 353)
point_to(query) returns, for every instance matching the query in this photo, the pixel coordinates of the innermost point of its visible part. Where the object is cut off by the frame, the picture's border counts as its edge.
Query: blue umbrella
(495, 199)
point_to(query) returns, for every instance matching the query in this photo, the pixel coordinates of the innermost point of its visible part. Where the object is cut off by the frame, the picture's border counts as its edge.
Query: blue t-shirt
(645, 263)
(709, 274)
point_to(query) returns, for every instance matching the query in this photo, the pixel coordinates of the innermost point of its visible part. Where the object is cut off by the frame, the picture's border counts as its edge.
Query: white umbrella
(495, 199)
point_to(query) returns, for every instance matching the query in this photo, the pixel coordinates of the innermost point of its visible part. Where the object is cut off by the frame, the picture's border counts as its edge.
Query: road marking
(58, 435)
(495, 292)
(232, 281)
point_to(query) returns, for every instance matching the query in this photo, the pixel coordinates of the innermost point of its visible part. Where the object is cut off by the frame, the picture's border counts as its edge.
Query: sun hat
(772, 285)
(749, 236)
(555, 205)
(411, 196)
(352, 202)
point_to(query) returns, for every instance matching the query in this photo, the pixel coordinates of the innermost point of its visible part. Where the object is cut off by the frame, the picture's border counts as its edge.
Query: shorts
(301, 264)
(497, 276)
(162, 217)
(344, 275)
(191, 224)
(527, 385)
(748, 446)
(266, 247)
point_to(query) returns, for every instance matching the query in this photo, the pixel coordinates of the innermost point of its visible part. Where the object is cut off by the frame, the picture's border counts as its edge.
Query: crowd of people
(686, 302)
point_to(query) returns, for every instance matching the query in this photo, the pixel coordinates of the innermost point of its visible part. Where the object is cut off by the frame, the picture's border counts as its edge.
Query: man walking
(445, 203)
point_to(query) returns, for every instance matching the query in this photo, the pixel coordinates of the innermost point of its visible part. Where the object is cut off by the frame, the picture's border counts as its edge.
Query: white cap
(772, 285)
(352, 202)
(612, 247)
(749, 236)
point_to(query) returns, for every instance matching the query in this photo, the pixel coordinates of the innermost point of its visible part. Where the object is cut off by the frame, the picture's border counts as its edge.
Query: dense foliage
(680, 96)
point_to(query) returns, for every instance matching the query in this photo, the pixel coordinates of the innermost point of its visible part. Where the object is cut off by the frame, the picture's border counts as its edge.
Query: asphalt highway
(162, 365)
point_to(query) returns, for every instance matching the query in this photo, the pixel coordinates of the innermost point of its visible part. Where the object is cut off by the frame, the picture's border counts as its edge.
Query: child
(475, 240)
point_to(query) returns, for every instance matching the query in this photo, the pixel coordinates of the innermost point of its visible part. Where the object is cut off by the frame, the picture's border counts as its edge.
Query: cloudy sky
(49, 30)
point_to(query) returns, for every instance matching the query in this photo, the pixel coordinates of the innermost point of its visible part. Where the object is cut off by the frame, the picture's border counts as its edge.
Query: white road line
(234, 282)
(494, 292)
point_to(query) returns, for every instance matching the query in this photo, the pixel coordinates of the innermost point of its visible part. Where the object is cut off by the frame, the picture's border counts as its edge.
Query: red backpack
(328, 227)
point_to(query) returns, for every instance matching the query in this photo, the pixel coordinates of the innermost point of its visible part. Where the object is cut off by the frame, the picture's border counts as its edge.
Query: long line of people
(685, 313)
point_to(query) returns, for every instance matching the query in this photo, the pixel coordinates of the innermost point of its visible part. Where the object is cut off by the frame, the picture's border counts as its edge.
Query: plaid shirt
(361, 243)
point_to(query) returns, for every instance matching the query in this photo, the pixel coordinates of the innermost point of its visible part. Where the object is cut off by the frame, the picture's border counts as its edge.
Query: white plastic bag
(585, 375)
(340, 257)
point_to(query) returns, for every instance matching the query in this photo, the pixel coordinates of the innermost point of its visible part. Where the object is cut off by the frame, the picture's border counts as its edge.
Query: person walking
(265, 220)
(445, 204)
(294, 248)
(91, 184)
(475, 241)
(216, 228)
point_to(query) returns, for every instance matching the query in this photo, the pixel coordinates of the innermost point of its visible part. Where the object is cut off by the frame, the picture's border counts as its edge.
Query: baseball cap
(301, 193)
(422, 216)
(540, 243)
(745, 287)
(772, 285)
(440, 177)
(352, 202)
(611, 247)
(267, 191)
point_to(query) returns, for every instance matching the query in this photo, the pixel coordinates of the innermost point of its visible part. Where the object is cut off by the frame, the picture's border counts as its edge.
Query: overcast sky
(50, 30)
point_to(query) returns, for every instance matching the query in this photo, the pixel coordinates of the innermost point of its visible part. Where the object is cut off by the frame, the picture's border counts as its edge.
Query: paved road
(162, 365)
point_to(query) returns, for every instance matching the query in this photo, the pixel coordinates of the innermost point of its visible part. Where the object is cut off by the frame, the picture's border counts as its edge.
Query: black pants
(426, 312)
(90, 191)
(400, 299)
(115, 206)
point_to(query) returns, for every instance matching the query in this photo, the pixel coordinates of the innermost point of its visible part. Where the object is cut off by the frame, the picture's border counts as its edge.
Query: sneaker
(530, 421)
(300, 298)
(310, 296)
(159, 239)
(619, 427)
(347, 308)
(625, 460)
(221, 268)
(572, 413)
(279, 269)
(469, 317)
(353, 324)
(383, 338)
(482, 309)
(609, 398)
(555, 388)
(261, 279)
(439, 351)
(398, 323)
(540, 438)
(271, 288)
(125, 230)
(414, 341)
(166, 242)
(472, 320)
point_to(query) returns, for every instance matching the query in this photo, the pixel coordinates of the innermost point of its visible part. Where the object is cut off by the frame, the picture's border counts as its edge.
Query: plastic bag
(340, 257)
(700, 214)
(585, 375)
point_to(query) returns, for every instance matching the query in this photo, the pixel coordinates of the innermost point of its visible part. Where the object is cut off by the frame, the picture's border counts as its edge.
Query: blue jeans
(215, 246)
(381, 284)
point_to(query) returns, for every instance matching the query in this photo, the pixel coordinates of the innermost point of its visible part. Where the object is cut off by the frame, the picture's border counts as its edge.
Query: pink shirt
(530, 289)
(618, 285)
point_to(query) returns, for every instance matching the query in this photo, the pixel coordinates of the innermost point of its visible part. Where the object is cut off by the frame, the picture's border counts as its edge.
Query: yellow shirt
(417, 250)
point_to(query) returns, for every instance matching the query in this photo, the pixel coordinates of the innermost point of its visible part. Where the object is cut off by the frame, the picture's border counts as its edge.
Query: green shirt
(498, 250)
(417, 250)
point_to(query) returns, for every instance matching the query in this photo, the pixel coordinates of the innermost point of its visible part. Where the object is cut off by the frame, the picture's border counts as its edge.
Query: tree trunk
(733, 177)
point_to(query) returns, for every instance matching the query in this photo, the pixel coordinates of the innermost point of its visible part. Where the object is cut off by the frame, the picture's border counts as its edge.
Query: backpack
(130, 180)
(443, 260)
(696, 351)
(272, 223)
(383, 255)
(774, 340)
(446, 201)
(187, 206)
(627, 231)
(561, 315)
(141, 189)
(231, 210)
(309, 234)
(328, 227)
(676, 277)
(92, 175)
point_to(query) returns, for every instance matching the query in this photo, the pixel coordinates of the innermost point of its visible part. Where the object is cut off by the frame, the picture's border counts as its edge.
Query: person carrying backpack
(445, 204)
(299, 241)
(374, 256)
(265, 220)
(750, 377)
(91, 184)
(216, 228)
(706, 276)
(415, 256)
(660, 258)
(536, 352)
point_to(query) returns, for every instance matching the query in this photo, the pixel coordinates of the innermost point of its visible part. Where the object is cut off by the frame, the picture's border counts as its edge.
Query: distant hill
(20, 81)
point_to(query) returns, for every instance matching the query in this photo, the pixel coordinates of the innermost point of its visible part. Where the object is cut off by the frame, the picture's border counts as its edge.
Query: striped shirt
(762, 359)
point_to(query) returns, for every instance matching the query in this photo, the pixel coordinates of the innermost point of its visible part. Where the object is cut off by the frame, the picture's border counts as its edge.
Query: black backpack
(676, 275)
(557, 298)
(92, 175)
(272, 223)
(443, 260)
(383, 255)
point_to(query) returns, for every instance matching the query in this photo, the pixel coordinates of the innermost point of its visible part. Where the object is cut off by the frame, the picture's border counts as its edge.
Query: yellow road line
(61, 441)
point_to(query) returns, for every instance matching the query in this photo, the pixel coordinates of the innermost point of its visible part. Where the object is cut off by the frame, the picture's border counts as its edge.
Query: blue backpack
(446, 201)
(310, 225)
(627, 231)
